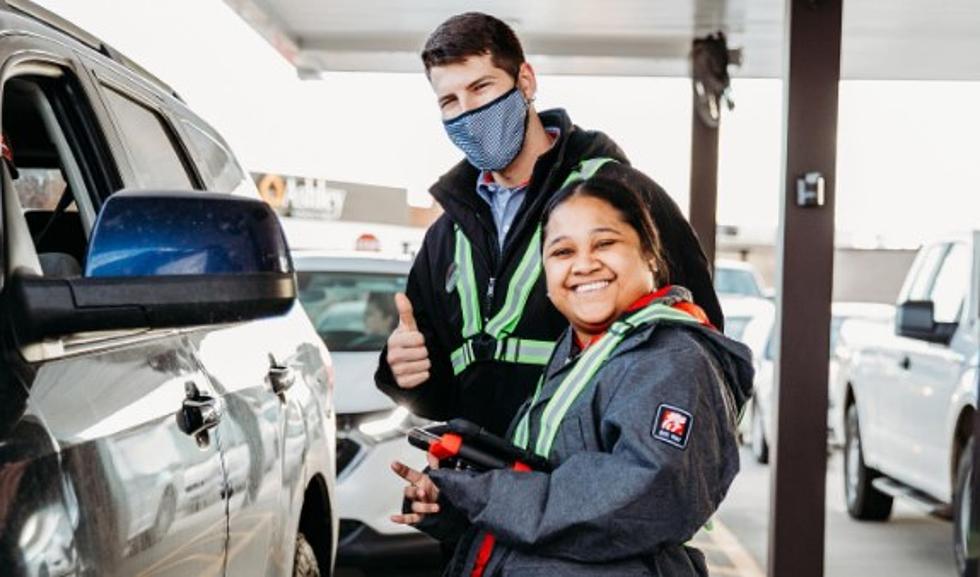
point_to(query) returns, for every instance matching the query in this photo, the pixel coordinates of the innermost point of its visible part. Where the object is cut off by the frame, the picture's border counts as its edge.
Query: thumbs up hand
(407, 355)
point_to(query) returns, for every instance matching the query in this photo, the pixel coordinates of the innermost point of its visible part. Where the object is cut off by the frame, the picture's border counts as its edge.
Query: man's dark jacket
(489, 393)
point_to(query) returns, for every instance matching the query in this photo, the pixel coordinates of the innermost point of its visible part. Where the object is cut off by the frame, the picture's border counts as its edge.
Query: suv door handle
(281, 377)
(905, 363)
(198, 413)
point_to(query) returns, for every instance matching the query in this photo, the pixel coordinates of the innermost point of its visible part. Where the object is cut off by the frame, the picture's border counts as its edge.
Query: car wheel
(304, 564)
(962, 500)
(864, 502)
(759, 444)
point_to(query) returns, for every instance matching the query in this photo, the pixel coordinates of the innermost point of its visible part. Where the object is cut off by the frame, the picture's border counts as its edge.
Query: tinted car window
(226, 175)
(949, 289)
(351, 311)
(151, 147)
(925, 269)
(39, 188)
(733, 281)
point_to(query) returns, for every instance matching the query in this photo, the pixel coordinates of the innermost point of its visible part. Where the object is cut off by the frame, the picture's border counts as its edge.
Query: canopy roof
(883, 39)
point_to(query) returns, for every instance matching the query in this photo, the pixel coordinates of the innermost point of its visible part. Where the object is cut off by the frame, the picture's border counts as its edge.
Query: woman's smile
(591, 287)
(594, 264)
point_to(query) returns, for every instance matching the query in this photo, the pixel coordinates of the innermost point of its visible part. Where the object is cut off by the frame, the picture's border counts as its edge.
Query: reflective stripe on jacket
(623, 499)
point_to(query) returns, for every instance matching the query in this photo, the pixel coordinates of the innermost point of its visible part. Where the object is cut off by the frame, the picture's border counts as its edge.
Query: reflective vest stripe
(466, 286)
(502, 325)
(583, 372)
(586, 169)
(528, 350)
(521, 284)
(507, 349)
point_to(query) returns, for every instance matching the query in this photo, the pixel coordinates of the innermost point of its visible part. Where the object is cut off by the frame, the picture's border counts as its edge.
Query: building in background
(345, 216)
(863, 271)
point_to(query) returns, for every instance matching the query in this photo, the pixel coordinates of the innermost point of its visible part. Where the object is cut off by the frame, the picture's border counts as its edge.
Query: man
(475, 325)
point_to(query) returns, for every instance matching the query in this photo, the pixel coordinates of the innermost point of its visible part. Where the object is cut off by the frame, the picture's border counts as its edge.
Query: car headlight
(394, 424)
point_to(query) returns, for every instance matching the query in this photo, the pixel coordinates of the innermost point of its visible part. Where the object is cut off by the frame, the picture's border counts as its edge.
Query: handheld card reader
(462, 444)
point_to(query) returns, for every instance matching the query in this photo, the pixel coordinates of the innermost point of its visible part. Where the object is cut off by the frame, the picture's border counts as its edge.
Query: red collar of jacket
(685, 306)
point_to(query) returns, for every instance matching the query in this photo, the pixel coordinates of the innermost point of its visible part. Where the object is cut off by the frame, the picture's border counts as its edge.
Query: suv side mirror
(916, 320)
(164, 259)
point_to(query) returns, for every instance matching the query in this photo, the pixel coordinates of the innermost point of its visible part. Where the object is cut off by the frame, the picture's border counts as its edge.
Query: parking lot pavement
(911, 544)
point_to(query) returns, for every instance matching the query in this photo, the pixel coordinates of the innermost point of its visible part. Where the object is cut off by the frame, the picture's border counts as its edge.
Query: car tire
(864, 501)
(757, 439)
(305, 563)
(961, 508)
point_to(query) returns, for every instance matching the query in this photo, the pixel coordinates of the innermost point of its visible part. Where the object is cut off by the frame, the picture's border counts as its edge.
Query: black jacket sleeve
(435, 398)
(685, 258)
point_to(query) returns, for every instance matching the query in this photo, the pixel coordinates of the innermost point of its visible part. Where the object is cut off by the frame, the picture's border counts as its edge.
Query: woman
(637, 412)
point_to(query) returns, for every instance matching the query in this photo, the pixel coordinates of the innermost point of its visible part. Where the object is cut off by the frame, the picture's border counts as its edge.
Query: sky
(907, 151)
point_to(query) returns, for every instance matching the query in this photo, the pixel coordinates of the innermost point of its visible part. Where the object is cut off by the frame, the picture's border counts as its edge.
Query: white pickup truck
(911, 395)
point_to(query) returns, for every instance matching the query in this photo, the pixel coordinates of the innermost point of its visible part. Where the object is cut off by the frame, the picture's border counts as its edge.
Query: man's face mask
(491, 136)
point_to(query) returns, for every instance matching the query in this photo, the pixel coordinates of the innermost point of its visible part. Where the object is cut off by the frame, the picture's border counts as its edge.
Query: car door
(238, 359)
(243, 368)
(107, 400)
(933, 373)
(884, 381)
(254, 367)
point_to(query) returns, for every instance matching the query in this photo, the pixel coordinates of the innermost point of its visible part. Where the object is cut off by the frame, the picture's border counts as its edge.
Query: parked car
(750, 320)
(852, 324)
(849, 321)
(910, 394)
(350, 298)
(735, 277)
(154, 362)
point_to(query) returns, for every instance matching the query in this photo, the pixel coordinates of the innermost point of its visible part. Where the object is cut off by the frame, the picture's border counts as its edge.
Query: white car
(735, 277)
(852, 325)
(750, 320)
(910, 394)
(753, 322)
(350, 299)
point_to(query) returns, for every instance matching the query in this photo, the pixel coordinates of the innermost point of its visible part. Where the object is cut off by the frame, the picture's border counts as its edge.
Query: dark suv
(165, 404)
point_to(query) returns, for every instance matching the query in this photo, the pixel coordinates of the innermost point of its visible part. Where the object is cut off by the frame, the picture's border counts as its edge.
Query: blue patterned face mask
(491, 136)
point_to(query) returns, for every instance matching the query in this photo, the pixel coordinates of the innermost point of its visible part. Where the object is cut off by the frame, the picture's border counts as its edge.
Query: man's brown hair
(474, 34)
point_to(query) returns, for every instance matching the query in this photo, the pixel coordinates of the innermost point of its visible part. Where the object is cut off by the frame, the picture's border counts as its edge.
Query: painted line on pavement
(743, 564)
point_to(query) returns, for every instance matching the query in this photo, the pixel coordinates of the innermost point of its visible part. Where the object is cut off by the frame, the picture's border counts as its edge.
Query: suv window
(151, 146)
(736, 281)
(226, 175)
(351, 311)
(949, 289)
(50, 154)
(40, 188)
(925, 270)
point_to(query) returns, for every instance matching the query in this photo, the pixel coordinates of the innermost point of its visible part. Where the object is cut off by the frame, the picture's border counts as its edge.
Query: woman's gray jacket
(642, 460)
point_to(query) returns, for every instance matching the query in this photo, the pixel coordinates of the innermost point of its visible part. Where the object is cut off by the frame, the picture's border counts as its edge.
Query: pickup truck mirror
(917, 320)
(164, 259)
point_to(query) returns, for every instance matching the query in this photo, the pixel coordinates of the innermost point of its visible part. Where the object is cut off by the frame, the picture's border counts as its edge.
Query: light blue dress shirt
(504, 203)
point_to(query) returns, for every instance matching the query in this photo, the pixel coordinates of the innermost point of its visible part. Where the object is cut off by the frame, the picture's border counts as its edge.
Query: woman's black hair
(632, 209)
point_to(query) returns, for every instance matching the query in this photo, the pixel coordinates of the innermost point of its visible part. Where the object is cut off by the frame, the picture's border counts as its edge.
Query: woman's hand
(421, 492)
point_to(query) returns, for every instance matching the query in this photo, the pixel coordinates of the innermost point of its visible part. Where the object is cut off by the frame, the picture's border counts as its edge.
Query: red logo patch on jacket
(672, 426)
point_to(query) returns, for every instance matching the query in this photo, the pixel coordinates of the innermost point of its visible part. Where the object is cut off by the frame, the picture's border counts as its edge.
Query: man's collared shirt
(504, 202)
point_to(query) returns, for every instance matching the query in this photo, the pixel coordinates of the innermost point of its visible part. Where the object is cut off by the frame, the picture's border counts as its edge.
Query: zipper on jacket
(489, 299)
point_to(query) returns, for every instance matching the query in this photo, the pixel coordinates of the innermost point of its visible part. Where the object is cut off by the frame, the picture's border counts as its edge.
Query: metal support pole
(806, 254)
(704, 182)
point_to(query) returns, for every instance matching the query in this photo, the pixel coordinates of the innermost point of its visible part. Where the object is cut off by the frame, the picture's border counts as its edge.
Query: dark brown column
(806, 251)
(704, 182)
